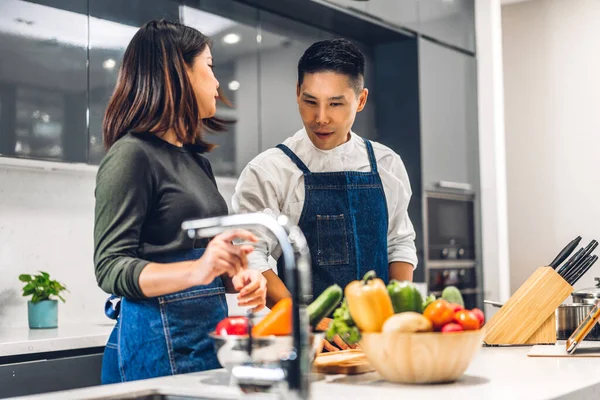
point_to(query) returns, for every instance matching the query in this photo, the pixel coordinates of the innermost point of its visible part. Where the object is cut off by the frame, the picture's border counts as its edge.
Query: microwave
(449, 226)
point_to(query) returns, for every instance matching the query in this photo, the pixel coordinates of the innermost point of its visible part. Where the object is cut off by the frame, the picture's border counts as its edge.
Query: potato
(408, 322)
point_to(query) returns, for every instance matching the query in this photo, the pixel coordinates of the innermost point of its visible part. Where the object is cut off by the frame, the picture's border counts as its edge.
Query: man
(348, 195)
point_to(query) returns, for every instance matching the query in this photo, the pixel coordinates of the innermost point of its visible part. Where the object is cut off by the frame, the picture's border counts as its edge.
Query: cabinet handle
(455, 185)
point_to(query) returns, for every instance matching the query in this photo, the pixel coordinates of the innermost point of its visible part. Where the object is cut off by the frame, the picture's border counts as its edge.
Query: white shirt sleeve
(401, 233)
(256, 191)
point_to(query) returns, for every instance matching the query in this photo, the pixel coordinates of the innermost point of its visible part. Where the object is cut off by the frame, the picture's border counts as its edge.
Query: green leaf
(28, 291)
(41, 287)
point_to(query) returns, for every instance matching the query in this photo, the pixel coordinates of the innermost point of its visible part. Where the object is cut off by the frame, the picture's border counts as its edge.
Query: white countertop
(17, 341)
(495, 373)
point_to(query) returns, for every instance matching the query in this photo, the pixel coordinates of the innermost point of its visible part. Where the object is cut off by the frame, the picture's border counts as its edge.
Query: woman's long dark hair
(153, 92)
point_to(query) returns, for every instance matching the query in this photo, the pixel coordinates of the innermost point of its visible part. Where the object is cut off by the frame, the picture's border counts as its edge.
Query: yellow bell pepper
(369, 303)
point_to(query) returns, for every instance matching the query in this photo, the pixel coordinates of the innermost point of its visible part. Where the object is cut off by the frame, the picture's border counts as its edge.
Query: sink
(158, 395)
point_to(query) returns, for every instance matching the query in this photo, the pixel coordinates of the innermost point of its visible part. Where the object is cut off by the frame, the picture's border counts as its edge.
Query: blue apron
(164, 335)
(345, 221)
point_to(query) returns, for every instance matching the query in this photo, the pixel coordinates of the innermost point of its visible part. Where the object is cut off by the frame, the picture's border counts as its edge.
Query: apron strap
(372, 159)
(295, 159)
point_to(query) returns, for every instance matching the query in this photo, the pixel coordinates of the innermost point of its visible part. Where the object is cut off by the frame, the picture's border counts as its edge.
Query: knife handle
(585, 268)
(578, 263)
(567, 265)
(565, 252)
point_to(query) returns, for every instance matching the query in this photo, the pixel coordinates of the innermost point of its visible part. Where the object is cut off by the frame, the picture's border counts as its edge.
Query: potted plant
(42, 310)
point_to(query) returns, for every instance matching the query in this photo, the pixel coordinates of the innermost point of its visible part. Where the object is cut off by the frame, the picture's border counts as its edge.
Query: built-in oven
(450, 244)
(450, 225)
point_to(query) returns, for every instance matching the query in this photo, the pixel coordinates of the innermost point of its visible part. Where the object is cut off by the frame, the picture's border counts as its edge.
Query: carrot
(328, 346)
(323, 325)
(277, 322)
(340, 343)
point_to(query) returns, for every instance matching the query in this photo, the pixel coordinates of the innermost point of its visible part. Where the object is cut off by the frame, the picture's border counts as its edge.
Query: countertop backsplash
(46, 223)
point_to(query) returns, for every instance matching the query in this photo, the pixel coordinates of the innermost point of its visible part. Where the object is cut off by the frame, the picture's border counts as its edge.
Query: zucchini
(324, 305)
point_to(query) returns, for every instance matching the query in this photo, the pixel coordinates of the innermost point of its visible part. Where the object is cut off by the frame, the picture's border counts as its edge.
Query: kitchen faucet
(294, 370)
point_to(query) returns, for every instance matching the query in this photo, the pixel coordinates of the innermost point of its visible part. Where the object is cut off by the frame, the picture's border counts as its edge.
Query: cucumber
(324, 305)
(452, 295)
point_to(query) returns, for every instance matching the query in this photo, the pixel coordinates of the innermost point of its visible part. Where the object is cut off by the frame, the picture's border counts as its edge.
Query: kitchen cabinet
(402, 14)
(399, 13)
(448, 103)
(450, 22)
(50, 374)
(352, 5)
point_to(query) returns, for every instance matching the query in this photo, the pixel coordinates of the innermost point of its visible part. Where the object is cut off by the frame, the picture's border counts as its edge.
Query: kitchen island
(495, 373)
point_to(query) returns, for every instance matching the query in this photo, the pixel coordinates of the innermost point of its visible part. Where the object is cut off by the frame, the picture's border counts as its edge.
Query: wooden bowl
(421, 357)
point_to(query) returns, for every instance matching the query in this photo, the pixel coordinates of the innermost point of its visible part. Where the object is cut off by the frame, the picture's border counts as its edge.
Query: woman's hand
(222, 257)
(252, 288)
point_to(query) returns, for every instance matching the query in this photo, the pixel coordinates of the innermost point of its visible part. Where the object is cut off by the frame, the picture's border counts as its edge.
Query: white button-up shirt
(272, 183)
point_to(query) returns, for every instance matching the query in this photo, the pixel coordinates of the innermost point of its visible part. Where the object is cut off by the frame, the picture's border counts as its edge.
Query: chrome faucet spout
(296, 271)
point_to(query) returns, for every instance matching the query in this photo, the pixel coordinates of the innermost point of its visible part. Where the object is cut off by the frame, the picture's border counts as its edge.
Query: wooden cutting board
(349, 362)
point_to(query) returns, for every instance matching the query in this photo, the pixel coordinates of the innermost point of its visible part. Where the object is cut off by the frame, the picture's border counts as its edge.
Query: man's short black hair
(334, 55)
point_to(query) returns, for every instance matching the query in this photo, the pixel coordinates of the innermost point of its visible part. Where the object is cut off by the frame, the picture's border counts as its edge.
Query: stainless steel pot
(588, 295)
(570, 316)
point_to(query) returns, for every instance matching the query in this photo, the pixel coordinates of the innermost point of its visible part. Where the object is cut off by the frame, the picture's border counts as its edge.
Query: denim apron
(345, 221)
(164, 335)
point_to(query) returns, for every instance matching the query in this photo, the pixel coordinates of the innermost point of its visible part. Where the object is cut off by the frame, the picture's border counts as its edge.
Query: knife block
(528, 317)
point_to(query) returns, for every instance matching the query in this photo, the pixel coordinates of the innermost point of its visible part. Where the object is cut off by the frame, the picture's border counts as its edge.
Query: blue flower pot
(43, 315)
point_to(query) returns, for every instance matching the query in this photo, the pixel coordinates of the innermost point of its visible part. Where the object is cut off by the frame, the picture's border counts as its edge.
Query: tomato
(456, 307)
(232, 326)
(467, 319)
(452, 327)
(440, 312)
(479, 314)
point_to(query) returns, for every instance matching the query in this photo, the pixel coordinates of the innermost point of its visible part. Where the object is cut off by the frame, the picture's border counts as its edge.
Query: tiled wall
(46, 223)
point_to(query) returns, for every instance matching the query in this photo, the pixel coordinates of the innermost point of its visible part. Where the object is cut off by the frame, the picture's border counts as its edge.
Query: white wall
(46, 223)
(552, 104)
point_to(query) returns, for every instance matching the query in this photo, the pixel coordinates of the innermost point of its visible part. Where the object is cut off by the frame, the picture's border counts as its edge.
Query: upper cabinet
(404, 13)
(354, 5)
(448, 101)
(449, 21)
(43, 80)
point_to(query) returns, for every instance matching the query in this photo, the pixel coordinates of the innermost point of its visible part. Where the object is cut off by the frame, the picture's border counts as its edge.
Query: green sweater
(145, 188)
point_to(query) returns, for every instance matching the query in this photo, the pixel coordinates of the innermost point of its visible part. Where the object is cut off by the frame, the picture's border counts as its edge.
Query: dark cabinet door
(448, 100)
(451, 22)
(402, 13)
(43, 79)
(43, 376)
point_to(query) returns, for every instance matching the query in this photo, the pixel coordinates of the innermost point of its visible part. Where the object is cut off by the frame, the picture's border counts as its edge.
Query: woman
(150, 181)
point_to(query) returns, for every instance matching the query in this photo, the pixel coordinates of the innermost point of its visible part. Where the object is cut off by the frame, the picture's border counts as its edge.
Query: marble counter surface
(495, 373)
(18, 341)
